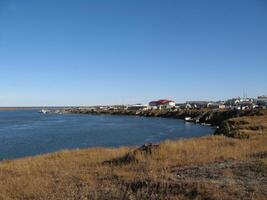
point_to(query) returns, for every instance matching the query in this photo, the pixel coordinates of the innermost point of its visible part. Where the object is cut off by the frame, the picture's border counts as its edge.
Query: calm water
(24, 133)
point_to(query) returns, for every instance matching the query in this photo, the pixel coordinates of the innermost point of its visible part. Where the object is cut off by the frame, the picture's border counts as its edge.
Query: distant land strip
(33, 108)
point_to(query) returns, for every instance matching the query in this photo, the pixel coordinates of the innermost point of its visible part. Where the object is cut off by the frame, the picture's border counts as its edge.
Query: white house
(162, 104)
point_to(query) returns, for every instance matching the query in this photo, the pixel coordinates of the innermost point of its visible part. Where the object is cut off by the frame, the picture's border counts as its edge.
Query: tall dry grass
(81, 174)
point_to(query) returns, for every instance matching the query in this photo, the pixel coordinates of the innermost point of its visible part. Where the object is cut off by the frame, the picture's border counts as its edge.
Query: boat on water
(188, 119)
(47, 111)
(44, 111)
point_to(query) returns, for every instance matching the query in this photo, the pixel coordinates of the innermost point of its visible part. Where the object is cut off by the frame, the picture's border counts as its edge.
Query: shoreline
(209, 167)
(152, 133)
(205, 117)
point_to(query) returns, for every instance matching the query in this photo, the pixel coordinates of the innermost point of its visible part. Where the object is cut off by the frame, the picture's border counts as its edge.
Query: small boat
(44, 111)
(188, 119)
(205, 124)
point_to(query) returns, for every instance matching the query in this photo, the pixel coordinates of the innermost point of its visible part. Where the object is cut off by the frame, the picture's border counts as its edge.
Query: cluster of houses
(235, 103)
(162, 104)
(165, 104)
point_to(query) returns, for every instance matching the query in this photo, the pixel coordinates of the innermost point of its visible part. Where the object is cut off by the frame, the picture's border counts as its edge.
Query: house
(247, 103)
(233, 102)
(222, 106)
(180, 105)
(213, 105)
(162, 104)
(261, 101)
(240, 103)
(137, 107)
(117, 107)
(188, 106)
(197, 104)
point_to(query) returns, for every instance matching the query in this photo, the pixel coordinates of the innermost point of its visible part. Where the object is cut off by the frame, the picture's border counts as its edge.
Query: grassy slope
(214, 167)
(245, 127)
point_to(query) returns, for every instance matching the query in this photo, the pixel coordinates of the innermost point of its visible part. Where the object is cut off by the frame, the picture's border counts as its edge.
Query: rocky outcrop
(245, 126)
(218, 118)
(232, 128)
(130, 157)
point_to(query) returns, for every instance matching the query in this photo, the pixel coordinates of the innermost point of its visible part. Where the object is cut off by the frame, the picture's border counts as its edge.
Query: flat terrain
(8, 108)
(213, 167)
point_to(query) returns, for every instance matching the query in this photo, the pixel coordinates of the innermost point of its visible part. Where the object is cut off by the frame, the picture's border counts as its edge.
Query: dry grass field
(247, 126)
(213, 167)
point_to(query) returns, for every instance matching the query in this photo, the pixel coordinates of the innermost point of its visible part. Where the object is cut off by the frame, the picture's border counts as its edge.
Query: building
(222, 106)
(241, 103)
(197, 104)
(264, 97)
(233, 102)
(180, 105)
(247, 103)
(188, 106)
(261, 101)
(118, 107)
(213, 105)
(137, 107)
(162, 104)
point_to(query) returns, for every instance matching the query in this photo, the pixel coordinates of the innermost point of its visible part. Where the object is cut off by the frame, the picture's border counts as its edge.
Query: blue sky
(82, 52)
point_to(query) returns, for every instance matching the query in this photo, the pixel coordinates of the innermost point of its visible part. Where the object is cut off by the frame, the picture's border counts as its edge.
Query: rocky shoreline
(218, 118)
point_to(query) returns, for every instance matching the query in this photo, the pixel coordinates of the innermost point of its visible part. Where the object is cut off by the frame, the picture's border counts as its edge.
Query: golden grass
(81, 174)
(247, 126)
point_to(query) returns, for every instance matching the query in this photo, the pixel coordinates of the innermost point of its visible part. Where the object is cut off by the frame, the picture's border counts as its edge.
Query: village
(164, 104)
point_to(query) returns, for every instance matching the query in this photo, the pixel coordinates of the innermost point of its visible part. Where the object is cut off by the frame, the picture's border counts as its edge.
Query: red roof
(162, 101)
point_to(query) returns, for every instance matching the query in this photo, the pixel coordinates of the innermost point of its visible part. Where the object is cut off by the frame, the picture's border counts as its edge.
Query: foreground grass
(210, 167)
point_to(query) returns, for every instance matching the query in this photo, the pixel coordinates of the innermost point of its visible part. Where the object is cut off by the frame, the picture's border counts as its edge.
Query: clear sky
(82, 52)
